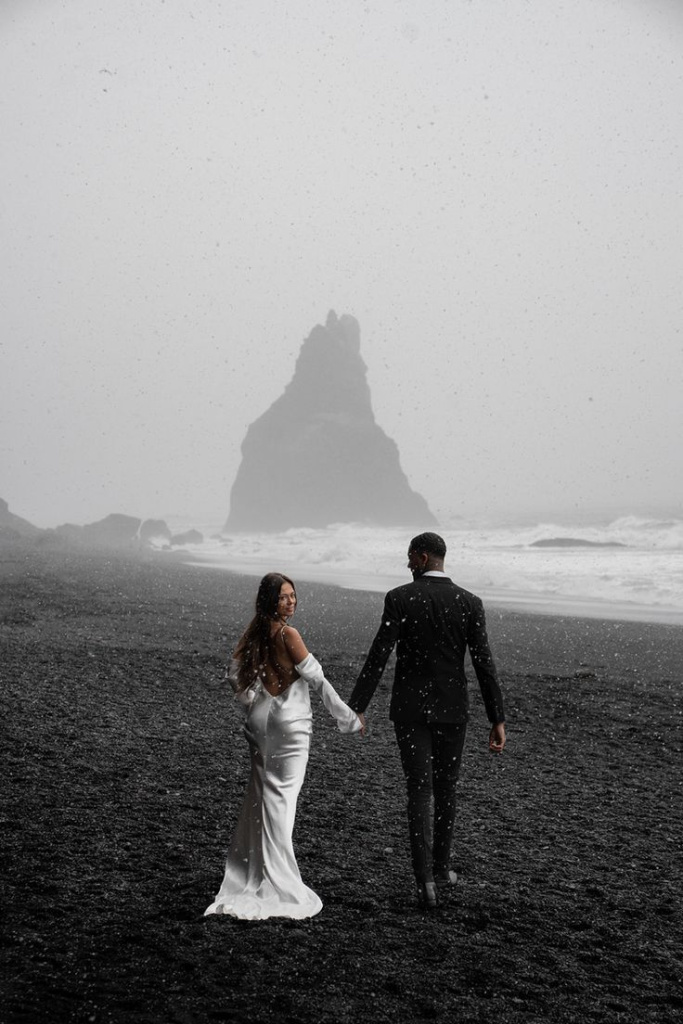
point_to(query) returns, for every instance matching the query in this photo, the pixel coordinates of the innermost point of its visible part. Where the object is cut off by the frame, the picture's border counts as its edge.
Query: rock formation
(575, 542)
(153, 530)
(118, 530)
(317, 456)
(114, 531)
(188, 537)
(13, 527)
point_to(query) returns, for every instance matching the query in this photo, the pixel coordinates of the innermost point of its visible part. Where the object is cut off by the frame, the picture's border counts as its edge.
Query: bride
(271, 673)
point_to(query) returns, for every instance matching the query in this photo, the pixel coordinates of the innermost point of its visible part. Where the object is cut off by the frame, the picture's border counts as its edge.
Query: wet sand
(124, 771)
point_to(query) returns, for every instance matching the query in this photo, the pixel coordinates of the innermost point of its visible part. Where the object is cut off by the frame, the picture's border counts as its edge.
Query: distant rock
(317, 456)
(10, 536)
(153, 529)
(189, 537)
(68, 532)
(13, 527)
(575, 542)
(115, 530)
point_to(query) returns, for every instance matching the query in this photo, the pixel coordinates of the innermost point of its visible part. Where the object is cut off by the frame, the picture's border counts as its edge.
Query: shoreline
(505, 600)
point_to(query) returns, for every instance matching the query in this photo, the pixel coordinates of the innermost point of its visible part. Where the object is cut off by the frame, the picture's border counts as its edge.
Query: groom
(434, 622)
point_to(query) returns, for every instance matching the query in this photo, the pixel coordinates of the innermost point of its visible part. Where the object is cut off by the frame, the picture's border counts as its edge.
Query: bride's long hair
(255, 646)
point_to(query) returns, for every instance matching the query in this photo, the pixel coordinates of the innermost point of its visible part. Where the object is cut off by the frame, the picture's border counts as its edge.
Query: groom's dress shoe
(426, 895)
(444, 878)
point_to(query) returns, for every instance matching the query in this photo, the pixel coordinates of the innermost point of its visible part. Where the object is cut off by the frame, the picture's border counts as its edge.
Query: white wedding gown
(261, 874)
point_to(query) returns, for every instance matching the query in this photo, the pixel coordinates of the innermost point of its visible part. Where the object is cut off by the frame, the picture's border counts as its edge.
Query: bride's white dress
(261, 874)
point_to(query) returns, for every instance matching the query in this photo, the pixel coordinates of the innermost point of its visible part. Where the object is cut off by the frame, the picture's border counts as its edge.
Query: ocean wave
(644, 571)
(630, 531)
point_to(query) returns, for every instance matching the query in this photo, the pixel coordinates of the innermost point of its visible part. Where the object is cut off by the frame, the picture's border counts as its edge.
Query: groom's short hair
(429, 544)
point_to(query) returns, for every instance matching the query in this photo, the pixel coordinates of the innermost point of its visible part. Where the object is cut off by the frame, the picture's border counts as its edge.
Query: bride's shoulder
(291, 635)
(294, 643)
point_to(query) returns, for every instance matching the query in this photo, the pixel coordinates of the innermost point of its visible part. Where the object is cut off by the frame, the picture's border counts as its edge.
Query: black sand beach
(124, 767)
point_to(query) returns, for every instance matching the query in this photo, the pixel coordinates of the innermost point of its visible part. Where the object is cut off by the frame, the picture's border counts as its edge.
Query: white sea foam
(642, 580)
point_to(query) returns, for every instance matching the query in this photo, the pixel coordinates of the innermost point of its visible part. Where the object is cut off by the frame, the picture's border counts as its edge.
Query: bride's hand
(363, 726)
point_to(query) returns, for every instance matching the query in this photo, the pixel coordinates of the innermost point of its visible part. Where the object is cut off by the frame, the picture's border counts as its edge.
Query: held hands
(363, 726)
(497, 738)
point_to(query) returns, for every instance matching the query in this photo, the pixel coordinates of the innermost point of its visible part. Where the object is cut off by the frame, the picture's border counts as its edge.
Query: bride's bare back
(288, 650)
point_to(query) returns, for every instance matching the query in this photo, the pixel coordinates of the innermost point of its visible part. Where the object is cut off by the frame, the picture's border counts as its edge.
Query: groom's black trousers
(431, 756)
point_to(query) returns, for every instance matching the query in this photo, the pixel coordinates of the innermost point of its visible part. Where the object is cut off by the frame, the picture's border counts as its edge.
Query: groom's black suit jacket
(433, 622)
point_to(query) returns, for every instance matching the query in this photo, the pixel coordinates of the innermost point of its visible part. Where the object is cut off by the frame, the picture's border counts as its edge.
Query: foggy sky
(493, 189)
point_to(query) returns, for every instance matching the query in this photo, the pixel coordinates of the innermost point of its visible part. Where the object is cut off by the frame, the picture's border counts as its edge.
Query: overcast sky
(492, 188)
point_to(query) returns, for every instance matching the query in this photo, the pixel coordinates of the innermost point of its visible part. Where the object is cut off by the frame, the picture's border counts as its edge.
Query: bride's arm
(310, 669)
(347, 720)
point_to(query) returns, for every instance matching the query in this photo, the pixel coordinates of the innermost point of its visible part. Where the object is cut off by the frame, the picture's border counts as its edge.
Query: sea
(627, 568)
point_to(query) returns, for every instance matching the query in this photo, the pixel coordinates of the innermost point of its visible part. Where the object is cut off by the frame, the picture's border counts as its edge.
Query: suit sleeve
(375, 663)
(483, 664)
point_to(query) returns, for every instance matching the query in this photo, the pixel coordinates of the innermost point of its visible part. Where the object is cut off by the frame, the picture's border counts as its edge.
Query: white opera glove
(311, 670)
(245, 697)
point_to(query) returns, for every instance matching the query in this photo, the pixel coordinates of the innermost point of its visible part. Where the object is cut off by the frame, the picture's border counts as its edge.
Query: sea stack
(317, 456)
